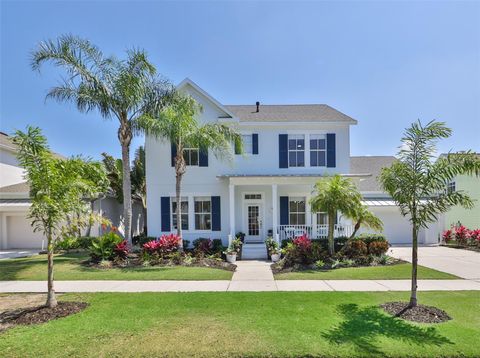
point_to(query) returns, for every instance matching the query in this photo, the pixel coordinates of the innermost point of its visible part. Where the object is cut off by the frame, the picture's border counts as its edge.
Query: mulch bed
(39, 314)
(420, 313)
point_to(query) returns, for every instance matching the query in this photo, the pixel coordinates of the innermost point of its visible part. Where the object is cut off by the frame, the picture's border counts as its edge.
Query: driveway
(462, 263)
(14, 253)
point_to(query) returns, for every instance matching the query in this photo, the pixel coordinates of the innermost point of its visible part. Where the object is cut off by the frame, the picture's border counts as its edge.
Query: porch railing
(314, 232)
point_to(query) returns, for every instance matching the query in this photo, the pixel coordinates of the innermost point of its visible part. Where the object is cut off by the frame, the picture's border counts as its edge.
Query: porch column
(274, 209)
(231, 193)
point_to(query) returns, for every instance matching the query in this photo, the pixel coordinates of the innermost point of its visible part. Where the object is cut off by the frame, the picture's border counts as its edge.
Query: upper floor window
(296, 150)
(451, 187)
(322, 218)
(191, 156)
(297, 211)
(318, 150)
(203, 213)
(247, 143)
(183, 214)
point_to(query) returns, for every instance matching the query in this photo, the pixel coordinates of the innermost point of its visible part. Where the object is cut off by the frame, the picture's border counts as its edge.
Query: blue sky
(384, 63)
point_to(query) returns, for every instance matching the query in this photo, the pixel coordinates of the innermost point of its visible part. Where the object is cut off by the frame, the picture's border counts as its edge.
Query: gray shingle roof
(373, 165)
(287, 113)
(16, 188)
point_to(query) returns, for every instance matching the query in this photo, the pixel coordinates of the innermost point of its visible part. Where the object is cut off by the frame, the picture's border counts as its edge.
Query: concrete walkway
(240, 285)
(253, 275)
(458, 262)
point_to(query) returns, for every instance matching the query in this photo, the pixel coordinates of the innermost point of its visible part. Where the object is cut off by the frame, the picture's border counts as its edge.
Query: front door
(253, 222)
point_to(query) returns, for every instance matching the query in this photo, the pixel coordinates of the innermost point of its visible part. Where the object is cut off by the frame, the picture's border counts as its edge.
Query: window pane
(292, 159)
(301, 206)
(301, 144)
(300, 159)
(293, 219)
(321, 144)
(313, 158)
(313, 144)
(321, 159)
(247, 143)
(292, 144)
(301, 219)
(194, 157)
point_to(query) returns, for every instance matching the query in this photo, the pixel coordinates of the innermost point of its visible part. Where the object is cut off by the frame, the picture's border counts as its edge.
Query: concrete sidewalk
(239, 285)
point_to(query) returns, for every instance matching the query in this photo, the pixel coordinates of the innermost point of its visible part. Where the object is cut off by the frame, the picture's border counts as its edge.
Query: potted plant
(236, 245)
(275, 255)
(231, 254)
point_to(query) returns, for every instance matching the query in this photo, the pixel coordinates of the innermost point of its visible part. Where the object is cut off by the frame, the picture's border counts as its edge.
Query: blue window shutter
(283, 150)
(284, 210)
(331, 161)
(216, 217)
(254, 143)
(165, 213)
(203, 158)
(174, 153)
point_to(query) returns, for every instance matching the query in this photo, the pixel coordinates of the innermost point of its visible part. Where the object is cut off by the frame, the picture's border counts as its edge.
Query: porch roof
(292, 178)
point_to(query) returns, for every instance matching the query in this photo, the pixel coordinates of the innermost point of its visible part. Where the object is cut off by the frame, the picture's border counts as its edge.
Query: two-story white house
(266, 190)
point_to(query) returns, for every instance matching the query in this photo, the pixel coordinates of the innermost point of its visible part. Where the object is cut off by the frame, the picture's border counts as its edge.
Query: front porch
(277, 206)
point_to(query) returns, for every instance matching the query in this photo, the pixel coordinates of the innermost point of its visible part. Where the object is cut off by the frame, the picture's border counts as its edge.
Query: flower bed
(462, 237)
(305, 254)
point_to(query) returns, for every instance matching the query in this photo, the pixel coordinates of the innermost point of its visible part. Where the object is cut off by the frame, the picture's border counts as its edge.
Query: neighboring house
(15, 229)
(458, 215)
(266, 190)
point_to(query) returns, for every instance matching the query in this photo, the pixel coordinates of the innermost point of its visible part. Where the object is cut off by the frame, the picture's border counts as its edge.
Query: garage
(20, 234)
(397, 228)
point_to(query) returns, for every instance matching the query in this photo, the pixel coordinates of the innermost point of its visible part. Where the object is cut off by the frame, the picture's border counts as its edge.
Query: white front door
(253, 222)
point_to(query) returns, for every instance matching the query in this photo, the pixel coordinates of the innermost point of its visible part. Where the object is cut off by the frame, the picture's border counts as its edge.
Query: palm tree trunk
(178, 185)
(331, 227)
(51, 299)
(89, 227)
(413, 294)
(145, 226)
(355, 229)
(125, 137)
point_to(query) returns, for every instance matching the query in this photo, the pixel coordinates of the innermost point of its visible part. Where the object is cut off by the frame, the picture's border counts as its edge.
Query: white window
(451, 187)
(203, 213)
(183, 214)
(318, 150)
(297, 210)
(191, 156)
(296, 150)
(253, 196)
(247, 143)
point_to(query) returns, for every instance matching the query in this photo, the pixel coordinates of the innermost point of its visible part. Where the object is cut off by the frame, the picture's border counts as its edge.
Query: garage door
(397, 229)
(20, 234)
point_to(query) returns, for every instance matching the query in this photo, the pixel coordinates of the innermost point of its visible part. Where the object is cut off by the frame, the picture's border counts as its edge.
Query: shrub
(368, 238)
(121, 250)
(378, 248)
(217, 246)
(67, 243)
(320, 264)
(103, 247)
(462, 235)
(186, 244)
(271, 244)
(142, 239)
(165, 245)
(475, 236)
(240, 235)
(302, 242)
(303, 251)
(447, 235)
(355, 248)
(203, 246)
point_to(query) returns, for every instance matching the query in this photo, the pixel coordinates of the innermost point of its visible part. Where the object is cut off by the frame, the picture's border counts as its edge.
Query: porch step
(254, 251)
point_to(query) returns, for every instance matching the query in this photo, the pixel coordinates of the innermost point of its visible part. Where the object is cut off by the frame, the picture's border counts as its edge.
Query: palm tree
(178, 123)
(363, 216)
(139, 182)
(124, 89)
(335, 194)
(418, 184)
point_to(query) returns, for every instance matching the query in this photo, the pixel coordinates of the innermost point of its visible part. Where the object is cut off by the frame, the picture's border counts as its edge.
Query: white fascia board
(188, 81)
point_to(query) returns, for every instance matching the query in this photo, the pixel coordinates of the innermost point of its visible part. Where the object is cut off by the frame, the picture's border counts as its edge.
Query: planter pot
(275, 257)
(231, 258)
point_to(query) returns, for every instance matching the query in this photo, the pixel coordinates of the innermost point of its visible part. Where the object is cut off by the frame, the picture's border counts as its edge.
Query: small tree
(363, 216)
(178, 122)
(57, 188)
(335, 194)
(418, 184)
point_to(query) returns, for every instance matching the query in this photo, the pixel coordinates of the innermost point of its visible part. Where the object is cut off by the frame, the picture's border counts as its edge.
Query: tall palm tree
(363, 216)
(178, 123)
(139, 182)
(335, 194)
(418, 184)
(123, 89)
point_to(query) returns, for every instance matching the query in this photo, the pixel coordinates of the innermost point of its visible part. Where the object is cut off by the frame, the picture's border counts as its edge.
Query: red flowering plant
(164, 245)
(462, 234)
(475, 237)
(303, 242)
(447, 235)
(121, 250)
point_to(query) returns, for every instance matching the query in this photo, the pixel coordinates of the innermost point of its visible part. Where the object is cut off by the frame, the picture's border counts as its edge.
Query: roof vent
(258, 106)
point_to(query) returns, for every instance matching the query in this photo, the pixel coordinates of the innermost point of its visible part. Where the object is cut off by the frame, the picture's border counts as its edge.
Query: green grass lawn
(392, 272)
(68, 267)
(287, 324)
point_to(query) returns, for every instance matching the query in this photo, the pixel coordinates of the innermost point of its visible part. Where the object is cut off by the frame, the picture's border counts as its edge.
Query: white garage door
(397, 229)
(20, 234)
